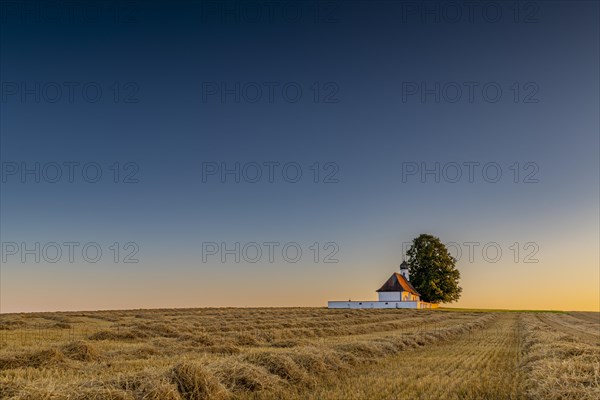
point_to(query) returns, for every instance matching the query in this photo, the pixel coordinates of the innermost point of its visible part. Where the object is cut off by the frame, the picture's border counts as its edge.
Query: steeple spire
(404, 270)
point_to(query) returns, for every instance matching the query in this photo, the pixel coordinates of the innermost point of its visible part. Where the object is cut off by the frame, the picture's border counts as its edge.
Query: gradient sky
(162, 68)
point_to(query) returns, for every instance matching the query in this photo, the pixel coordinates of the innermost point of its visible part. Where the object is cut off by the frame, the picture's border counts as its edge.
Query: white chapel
(396, 292)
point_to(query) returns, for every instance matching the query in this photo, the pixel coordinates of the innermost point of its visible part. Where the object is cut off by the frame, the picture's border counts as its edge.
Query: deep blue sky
(165, 60)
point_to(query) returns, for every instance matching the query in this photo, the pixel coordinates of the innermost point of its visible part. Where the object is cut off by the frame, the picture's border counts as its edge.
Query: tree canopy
(433, 270)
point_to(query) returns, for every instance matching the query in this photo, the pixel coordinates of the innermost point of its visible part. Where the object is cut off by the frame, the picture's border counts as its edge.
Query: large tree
(433, 270)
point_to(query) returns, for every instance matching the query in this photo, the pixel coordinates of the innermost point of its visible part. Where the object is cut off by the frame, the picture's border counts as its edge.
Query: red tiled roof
(397, 283)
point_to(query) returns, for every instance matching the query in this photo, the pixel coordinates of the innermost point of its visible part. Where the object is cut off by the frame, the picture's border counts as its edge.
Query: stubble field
(300, 353)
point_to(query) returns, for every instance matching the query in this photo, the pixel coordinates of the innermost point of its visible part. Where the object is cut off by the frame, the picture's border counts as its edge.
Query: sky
(274, 154)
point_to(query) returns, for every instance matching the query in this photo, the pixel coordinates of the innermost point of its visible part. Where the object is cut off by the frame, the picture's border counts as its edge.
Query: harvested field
(587, 316)
(584, 329)
(482, 364)
(559, 365)
(282, 353)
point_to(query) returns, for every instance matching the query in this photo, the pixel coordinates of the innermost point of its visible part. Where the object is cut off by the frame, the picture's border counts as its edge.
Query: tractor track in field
(587, 316)
(564, 327)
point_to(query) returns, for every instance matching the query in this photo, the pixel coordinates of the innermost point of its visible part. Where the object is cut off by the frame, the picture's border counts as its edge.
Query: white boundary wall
(377, 304)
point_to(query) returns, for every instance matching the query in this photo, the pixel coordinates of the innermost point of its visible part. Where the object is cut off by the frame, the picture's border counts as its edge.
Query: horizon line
(284, 307)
